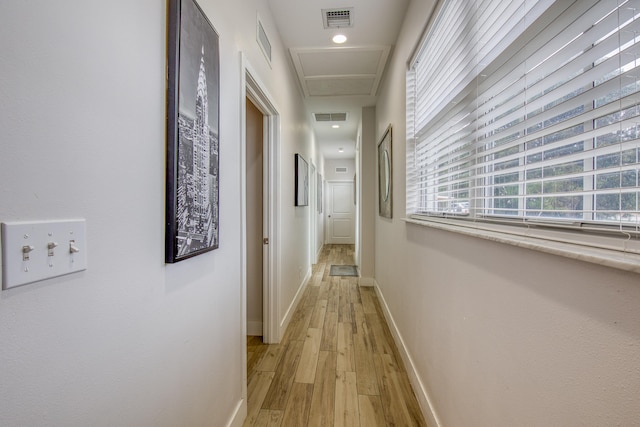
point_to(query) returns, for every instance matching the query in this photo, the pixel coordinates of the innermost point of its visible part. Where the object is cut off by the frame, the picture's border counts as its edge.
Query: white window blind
(527, 109)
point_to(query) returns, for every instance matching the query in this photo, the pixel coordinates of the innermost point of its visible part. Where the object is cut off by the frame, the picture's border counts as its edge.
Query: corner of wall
(294, 304)
(367, 282)
(320, 246)
(239, 415)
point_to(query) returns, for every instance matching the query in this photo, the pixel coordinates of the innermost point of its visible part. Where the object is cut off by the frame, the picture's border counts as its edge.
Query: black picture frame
(385, 175)
(193, 118)
(301, 181)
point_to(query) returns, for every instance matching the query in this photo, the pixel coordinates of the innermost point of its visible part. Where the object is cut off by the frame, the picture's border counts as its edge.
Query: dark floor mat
(343, 270)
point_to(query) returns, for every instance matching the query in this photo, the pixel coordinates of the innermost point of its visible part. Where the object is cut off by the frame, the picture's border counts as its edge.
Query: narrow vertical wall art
(193, 104)
(385, 175)
(301, 181)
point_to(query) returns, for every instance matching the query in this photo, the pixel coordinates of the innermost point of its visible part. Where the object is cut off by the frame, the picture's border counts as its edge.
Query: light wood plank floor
(337, 364)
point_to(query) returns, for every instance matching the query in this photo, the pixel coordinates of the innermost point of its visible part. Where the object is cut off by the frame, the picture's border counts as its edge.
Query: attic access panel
(340, 86)
(340, 71)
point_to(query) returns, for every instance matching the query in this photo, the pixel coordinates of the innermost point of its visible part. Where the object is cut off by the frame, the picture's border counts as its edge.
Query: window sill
(613, 258)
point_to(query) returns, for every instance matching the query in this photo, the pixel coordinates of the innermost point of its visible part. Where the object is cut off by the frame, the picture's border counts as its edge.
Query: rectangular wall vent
(337, 18)
(263, 41)
(341, 170)
(330, 117)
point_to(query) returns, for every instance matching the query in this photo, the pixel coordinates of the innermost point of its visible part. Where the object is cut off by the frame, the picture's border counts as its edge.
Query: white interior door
(340, 213)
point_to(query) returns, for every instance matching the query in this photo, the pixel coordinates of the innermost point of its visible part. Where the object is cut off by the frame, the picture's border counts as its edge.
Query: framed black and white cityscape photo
(193, 104)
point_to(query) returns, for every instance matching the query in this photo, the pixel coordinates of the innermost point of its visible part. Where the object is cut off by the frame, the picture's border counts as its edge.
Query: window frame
(600, 242)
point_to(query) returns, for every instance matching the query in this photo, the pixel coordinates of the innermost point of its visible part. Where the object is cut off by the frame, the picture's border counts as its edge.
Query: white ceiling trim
(335, 71)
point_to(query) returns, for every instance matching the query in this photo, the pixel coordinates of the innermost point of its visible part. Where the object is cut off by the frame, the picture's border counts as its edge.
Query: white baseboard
(421, 393)
(239, 415)
(254, 328)
(367, 281)
(294, 304)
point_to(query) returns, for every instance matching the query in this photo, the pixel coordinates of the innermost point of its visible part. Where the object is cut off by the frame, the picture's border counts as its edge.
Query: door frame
(313, 213)
(252, 88)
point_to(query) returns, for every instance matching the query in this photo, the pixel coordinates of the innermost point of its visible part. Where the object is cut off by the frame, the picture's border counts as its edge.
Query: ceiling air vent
(337, 18)
(330, 117)
(341, 170)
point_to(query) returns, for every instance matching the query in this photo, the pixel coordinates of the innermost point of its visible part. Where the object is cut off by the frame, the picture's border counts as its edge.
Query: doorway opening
(254, 92)
(254, 224)
(265, 195)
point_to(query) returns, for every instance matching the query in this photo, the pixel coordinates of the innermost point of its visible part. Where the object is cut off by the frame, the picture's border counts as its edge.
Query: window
(527, 112)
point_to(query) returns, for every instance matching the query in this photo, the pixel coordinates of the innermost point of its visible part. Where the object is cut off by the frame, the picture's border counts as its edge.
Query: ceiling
(338, 78)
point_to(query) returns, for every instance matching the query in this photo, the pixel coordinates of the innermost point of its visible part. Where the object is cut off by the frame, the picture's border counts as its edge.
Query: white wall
(295, 221)
(367, 197)
(330, 166)
(500, 335)
(131, 341)
(320, 215)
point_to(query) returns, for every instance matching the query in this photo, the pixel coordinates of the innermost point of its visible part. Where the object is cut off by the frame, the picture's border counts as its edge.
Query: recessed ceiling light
(339, 38)
(340, 150)
(335, 126)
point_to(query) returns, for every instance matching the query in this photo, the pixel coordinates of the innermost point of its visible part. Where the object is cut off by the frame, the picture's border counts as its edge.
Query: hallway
(337, 364)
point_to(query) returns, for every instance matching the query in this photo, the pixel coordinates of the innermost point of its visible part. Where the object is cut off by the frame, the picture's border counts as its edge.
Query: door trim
(251, 87)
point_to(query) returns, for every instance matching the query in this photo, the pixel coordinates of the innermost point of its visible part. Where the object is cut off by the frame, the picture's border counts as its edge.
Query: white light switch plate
(40, 262)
